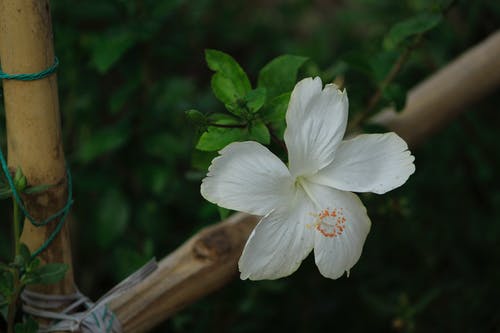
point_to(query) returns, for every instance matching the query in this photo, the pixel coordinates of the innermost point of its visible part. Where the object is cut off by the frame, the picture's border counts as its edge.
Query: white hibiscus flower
(307, 205)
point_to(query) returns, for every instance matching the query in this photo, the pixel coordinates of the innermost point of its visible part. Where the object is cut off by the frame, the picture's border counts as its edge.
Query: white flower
(307, 206)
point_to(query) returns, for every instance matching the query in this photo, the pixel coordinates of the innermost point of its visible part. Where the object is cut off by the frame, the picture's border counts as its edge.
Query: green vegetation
(129, 71)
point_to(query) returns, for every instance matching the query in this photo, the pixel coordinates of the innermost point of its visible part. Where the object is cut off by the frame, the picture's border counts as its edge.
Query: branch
(395, 69)
(443, 96)
(209, 259)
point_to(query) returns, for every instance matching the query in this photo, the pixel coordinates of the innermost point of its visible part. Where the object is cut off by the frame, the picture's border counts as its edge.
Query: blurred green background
(129, 70)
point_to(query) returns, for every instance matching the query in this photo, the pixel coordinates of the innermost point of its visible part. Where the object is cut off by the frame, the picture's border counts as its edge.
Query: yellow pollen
(330, 222)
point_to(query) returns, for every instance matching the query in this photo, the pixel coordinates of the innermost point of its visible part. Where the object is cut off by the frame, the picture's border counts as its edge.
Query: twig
(276, 139)
(395, 69)
(444, 95)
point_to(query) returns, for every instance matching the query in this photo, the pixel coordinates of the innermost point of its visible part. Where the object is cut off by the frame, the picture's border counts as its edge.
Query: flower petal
(369, 163)
(279, 243)
(316, 122)
(341, 227)
(247, 177)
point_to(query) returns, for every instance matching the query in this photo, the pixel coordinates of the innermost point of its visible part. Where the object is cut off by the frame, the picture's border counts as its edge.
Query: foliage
(231, 86)
(130, 69)
(25, 269)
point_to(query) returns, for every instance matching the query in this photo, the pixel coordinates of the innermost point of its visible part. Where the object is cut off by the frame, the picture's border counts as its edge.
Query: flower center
(330, 222)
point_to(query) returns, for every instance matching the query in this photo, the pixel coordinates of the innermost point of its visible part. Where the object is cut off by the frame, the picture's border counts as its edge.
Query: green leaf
(18, 262)
(224, 89)
(223, 212)
(23, 259)
(4, 267)
(359, 61)
(106, 50)
(381, 64)
(128, 258)
(20, 180)
(410, 27)
(159, 143)
(223, 119)
(276, 109)
(37, 189)
(396, 95)
(230, 83)
(33, 265)
(25, 253)
(122, 95)
(200, 160)
(47, 274)
(113, 214)
(154, 177)
(4, 306)
(255, 99)
(102, 142)
(274, 113)
(29, 326)
(279, 75)
(260, 133)
(6, 283)
(196, 117)
(5, 192)
(216, 138)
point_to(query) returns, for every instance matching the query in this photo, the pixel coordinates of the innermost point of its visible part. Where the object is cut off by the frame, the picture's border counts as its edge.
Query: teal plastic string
(61, 213)
(15, 194)
(31, 76)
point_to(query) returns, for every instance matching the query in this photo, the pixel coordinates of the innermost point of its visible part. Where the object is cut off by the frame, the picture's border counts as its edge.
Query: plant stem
(16, 227)
(11, 314)
(395, 69)
(277, 140)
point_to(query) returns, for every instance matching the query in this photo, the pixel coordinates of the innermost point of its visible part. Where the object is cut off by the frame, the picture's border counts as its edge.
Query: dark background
(129, 70)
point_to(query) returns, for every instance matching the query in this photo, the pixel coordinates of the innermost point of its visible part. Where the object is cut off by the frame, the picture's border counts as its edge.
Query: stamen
(330, 222)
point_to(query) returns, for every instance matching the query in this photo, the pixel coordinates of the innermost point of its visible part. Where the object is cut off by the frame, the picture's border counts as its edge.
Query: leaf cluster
(24, 271)
(255, 114)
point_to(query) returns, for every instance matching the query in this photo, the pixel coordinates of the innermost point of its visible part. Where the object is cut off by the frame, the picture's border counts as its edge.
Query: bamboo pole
(443, 96)
(33, 124)
(209, 259)
(204, 263)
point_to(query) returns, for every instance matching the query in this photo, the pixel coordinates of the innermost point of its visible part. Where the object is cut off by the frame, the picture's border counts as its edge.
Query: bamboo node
(214, 245)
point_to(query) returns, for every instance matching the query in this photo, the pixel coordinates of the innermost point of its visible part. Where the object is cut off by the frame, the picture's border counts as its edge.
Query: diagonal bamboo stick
(204, 263)
(33, 124)
(209, 259)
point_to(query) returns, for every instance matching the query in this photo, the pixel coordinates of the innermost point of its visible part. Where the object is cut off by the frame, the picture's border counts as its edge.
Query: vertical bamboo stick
(33, 124)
